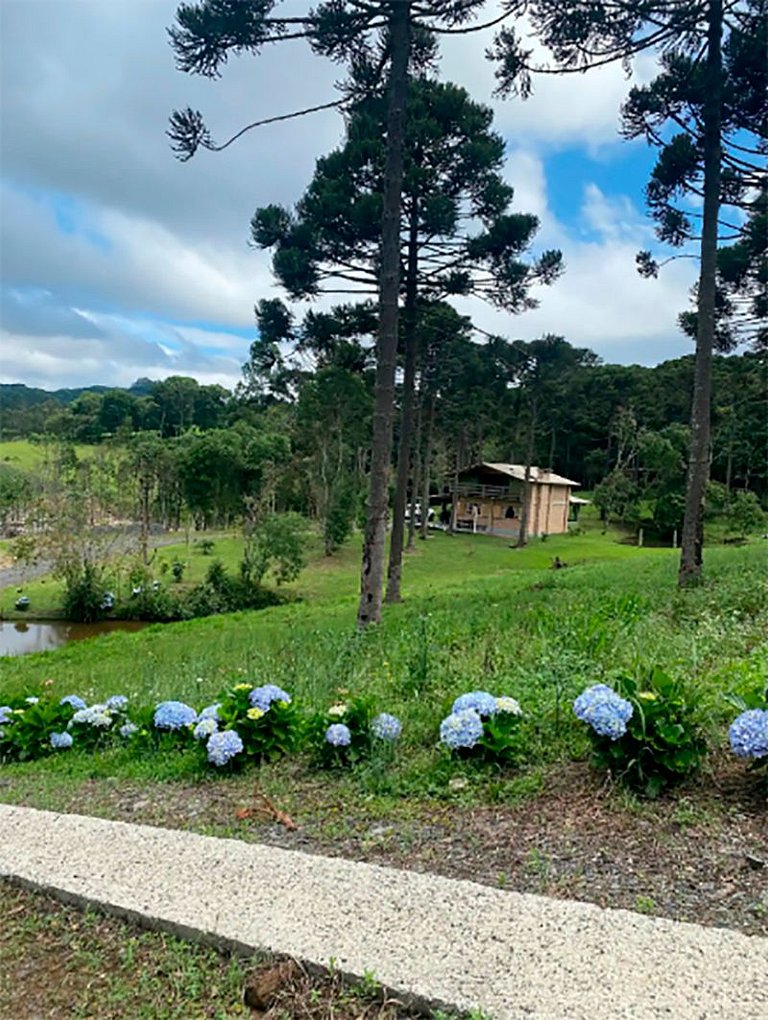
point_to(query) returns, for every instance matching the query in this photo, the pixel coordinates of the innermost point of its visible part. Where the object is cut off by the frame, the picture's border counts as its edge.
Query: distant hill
(17, 395)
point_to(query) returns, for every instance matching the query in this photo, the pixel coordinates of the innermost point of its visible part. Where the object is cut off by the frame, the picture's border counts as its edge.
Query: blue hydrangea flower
(74, 701)
(262, 697)
(386, 727)
(604, 710)
(96, 715)
(222, 747)
(31, 700)
(174, 715)
(117, 703)
(205, 728)
(128, 729)
(461, 729)
(210, 712)
(5, 713)
(479, 701)
(748, 734)
(338, 735)
(60, 741)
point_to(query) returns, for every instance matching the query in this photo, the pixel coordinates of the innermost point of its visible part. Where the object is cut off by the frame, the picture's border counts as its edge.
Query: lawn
(21, 453)
(476, 614)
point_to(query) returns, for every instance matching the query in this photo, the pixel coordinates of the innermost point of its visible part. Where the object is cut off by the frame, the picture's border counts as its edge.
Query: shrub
(264, 719)
(83, 593)
(644, 735)
(96, 725)
(483, 727)
(26, 725)
(348, 733)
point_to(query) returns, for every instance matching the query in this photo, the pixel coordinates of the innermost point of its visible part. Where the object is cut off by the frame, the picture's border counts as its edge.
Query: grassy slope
(475, 614)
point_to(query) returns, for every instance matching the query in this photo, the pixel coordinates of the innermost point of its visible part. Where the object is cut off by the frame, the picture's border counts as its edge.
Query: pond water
(21, 637)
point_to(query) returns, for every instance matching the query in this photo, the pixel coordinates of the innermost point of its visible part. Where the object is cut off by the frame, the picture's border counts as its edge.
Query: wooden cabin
(490, 500)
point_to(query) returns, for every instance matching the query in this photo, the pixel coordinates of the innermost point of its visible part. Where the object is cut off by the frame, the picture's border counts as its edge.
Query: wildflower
(117, 703)
(386, 727)
(5, 713)
(480, 702)
(255, 713)
(338, 735)
(60, 741)
(262, 697)
(31, 700)
(211, 711)
(128, 729)
(222, 747)
(241, 687)
(204, 728)
(337, 710)
(74, 701)
(461, 729)
(511, 705)
(173, 715)
(748, 734)
(96, 715)
(604, 710)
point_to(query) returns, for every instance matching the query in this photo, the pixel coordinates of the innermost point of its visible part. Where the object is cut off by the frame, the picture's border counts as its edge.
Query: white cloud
(156, 241)
(601, 301)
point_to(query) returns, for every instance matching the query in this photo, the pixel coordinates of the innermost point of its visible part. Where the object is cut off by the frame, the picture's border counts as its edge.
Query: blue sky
(119, 262)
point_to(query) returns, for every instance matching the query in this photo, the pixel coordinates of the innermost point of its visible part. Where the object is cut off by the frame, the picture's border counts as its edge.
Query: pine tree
(710, 90)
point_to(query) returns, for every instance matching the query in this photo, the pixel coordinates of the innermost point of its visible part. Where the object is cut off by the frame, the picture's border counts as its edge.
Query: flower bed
(645, 733)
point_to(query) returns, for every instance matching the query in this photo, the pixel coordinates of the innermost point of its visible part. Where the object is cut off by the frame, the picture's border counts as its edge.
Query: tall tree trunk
(522, 535)
(406, 418)
(374, 539)
(427, 465)
(417, 467)
(699, 453)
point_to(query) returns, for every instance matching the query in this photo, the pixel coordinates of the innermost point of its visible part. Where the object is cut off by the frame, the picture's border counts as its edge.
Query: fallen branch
(264, 806)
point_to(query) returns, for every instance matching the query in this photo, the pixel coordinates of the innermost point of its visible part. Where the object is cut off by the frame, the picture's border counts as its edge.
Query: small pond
(21, 637)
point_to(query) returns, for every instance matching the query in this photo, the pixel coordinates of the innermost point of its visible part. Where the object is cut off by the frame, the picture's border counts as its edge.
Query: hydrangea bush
(348, 732)
(26, 726)
(484, 727)
(748, 733)
(264, 717)
(644, 734)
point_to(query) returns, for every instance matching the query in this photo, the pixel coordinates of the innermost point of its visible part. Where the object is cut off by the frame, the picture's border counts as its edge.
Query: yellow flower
(283, 704)
(337, 710)
(242, 687)
(648, 696)
(18, 711)
(254, 713)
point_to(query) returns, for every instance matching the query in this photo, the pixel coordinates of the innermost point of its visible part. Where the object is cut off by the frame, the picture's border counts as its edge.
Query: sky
(119, 262)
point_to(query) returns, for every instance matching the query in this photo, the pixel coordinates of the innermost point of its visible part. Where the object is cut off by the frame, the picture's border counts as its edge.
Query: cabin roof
(541, 476)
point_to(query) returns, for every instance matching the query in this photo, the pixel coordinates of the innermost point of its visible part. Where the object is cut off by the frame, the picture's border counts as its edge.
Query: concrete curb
(432, 939)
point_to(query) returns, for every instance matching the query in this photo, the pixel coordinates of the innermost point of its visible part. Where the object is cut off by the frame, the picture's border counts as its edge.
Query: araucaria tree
(458, 233)
(706, 113)
(374, 36)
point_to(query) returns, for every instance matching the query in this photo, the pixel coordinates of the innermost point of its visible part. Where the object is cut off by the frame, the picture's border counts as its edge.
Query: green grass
(440, 561)
(21, 453)
(476, 615)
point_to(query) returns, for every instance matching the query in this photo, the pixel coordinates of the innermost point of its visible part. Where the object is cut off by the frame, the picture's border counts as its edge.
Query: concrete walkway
(452, 942)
